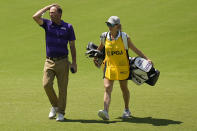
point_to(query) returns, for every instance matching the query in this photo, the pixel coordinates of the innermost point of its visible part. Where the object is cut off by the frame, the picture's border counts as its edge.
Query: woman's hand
(96, 62)
(150, 61)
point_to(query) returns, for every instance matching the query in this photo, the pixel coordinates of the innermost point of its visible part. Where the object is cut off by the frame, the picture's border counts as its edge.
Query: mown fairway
(165, 30)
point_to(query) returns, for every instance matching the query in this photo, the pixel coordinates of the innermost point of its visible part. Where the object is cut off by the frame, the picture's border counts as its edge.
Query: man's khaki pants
(60, 69)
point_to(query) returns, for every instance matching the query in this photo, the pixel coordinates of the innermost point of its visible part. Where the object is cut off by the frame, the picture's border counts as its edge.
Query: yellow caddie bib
(116, 63)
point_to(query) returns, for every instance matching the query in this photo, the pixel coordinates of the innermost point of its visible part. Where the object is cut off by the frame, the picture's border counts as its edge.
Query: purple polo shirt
(57, 37)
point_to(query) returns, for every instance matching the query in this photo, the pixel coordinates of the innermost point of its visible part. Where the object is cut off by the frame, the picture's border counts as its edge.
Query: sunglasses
(111, 25)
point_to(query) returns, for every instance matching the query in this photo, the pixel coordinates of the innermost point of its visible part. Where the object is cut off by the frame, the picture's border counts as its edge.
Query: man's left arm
(73, 65)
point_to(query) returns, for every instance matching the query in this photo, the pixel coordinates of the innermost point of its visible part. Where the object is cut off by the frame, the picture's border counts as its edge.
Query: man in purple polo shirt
(58, 34)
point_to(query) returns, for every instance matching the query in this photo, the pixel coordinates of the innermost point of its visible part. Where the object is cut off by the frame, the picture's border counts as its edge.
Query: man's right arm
(38, 15)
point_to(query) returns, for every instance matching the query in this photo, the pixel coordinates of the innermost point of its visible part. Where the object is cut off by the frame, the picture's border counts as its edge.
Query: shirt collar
(52, 23)
(109, 37)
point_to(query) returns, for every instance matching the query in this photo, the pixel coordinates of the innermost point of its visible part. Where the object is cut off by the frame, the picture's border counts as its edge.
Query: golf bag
(142, 71)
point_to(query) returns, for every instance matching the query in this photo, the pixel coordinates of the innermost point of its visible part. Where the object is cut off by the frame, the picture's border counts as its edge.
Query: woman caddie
(116, 64)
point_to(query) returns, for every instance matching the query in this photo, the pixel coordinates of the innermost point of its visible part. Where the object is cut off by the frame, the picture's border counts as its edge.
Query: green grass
(164, 30)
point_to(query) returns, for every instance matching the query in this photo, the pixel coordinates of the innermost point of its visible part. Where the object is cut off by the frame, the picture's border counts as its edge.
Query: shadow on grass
(138, 120)
(150, 120)
(89, 121)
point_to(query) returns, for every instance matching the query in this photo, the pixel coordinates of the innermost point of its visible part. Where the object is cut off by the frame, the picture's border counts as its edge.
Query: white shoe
(126, 114)
(60, 117)
(103, 114)
(52, 113)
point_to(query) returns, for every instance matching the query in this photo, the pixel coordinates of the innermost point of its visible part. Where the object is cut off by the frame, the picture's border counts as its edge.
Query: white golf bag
(142, 71)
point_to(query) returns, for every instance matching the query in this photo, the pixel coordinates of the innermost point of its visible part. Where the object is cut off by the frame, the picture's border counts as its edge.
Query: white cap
(113, 20)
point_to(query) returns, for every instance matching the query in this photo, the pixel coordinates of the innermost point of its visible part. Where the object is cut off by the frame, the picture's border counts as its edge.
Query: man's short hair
(59, 9)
